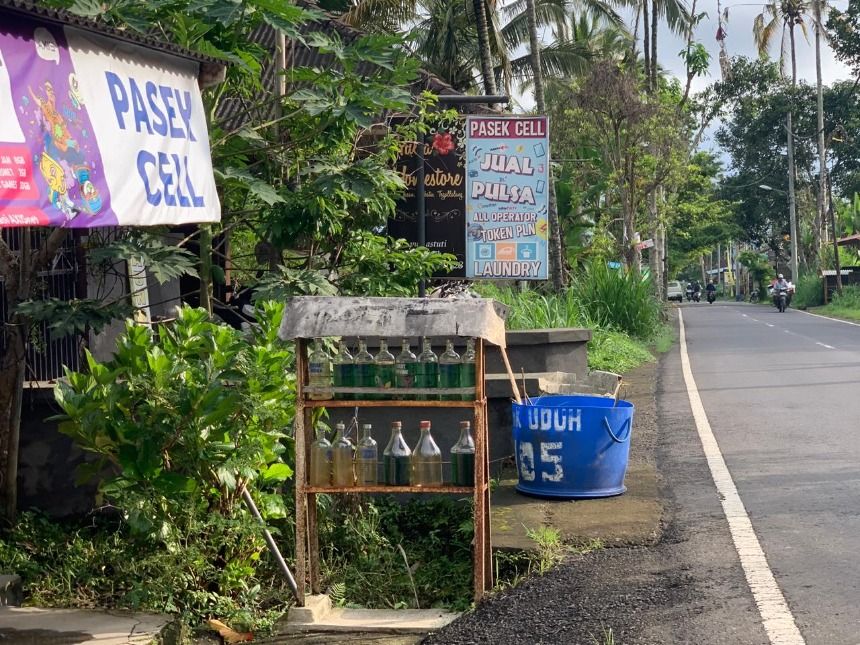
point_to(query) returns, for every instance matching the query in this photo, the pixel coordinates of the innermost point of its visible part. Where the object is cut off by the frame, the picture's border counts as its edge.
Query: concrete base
(25, 625)
(11, 592)
(631, 519)
(319, 616)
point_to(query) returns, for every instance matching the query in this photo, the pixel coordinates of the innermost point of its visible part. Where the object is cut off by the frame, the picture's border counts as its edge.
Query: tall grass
(808, 291)
(617, 300)
(618, 308)
(849, 299)
(599, 298)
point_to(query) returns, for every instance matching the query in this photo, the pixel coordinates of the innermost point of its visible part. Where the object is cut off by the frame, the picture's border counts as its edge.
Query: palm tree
(677, 17)
(785, 16)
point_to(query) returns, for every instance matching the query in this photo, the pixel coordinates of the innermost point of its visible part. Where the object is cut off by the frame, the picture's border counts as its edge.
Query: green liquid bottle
(342, 452)
(427, 371)
(449, 371)
(426, 460)
(365, 369)
(396, 459)
(320, 467)
(344, 370)
(404, 368)
(385, 371)
(467, 369)
(366, 458)
(463, 457)
(319, 373)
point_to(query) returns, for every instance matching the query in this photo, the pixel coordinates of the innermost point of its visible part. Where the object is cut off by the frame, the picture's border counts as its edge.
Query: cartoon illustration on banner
(507, 167)
(95, 134)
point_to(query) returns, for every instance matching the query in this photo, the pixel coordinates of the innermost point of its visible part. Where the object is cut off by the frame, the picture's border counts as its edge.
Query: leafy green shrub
(180, 421)
(808, 291)
(185, 420)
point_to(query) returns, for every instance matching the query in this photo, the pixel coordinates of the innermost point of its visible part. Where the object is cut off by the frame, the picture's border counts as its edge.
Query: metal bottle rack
(306, 318)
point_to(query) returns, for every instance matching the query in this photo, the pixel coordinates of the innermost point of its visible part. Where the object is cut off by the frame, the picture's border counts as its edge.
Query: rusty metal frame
(307, 537)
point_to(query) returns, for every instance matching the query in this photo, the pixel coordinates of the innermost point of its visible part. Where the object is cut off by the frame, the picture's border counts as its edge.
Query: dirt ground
(686, 587)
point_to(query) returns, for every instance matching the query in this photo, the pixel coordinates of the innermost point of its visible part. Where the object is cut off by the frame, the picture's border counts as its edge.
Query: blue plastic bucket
(572, 446)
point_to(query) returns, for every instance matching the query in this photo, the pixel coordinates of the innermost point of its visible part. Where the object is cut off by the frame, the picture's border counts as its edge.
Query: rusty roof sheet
(211, 69)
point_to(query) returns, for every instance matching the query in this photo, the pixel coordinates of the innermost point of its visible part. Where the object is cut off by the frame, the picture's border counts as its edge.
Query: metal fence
(46, 356)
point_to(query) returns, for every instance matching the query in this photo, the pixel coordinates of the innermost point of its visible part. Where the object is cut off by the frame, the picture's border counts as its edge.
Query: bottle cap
(424, 424)
(395, 424)
(465, 424)
(340, 426)
(366, 426)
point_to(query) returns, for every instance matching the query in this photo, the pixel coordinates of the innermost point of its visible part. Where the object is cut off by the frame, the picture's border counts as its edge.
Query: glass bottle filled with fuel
(342, 453)
(426, 460)
(396, 458)
(366, 458)
(463, 457)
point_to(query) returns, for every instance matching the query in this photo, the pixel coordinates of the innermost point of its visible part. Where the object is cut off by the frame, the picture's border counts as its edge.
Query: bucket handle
(613, 435)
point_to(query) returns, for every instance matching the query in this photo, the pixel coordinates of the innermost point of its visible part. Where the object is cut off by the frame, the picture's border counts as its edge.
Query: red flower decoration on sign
(442, 143)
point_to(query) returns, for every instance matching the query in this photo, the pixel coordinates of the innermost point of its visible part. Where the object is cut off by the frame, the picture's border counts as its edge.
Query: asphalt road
(782, 393)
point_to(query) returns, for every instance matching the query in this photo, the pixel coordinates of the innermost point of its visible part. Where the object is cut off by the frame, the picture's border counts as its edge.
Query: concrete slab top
(631, 519)
(394, 621)
(36, 625)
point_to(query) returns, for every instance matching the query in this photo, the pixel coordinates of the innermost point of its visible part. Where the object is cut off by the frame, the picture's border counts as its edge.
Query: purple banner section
(51, 171)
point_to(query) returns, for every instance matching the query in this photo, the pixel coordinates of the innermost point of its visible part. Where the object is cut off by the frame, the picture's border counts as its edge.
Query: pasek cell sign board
(99, 132)
(507, 166)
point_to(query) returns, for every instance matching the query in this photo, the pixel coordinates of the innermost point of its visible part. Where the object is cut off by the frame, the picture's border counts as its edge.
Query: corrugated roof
(211, 69)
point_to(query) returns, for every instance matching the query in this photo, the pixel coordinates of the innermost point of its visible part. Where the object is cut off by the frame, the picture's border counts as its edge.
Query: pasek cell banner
(98, 132)
(507, 165)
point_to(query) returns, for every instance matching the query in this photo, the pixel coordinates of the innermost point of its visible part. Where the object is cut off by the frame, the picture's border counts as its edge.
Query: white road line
(776, 616)
(824, 345)
(847, 322)
(744, 315)
(769, 325)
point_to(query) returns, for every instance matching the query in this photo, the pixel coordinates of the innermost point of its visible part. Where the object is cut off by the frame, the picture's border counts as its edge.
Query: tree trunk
(12, 372)
(652, 80)
(646, 41)
(18, 273)
(654, 252)
(206, 267)
(484, 47)
(822, 153)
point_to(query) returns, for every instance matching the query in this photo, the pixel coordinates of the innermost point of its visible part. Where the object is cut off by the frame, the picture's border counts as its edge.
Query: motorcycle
(781, 298)
(712, 295)
(689, 293)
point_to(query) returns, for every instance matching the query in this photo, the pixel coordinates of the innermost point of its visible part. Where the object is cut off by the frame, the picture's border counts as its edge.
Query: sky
(740, 42)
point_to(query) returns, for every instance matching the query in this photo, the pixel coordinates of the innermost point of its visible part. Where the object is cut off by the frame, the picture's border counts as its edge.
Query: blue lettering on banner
(159, 122)
(171, 106)
(167, 112)
(169, 171)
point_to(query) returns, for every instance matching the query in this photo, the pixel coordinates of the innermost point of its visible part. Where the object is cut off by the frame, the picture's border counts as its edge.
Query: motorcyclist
(780, 284)
(712, 286)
